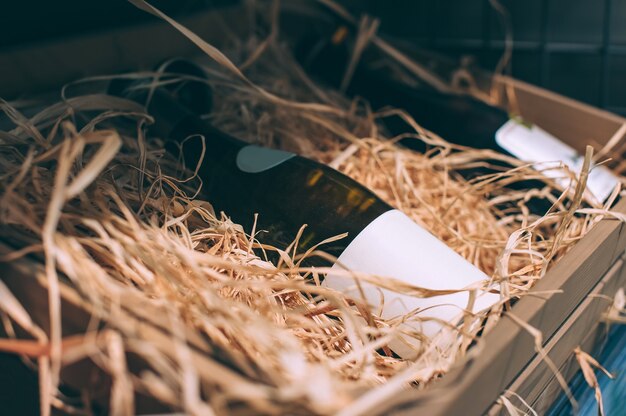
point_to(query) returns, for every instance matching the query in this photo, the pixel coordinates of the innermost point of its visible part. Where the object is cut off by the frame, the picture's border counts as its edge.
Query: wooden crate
(507, 358)
(537, 383)
(508, 349)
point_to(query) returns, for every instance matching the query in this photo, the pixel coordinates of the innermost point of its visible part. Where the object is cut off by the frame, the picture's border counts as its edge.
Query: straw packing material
(114, 214)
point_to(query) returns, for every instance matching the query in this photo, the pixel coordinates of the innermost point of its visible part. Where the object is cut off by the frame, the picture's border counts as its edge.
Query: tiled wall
(575, 47)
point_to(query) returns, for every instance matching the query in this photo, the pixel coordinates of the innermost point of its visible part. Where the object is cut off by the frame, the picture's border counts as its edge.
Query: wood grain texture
(574, 122)
(537, 384)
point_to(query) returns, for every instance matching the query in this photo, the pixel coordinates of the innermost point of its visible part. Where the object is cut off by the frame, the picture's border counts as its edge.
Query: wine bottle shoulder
(458, 118)
(287, 191)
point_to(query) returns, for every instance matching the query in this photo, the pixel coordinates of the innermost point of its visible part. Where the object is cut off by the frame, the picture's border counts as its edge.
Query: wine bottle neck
(167, 113)
(182, 128)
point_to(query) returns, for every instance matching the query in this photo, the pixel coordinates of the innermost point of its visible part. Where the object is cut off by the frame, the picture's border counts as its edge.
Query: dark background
(574, 47)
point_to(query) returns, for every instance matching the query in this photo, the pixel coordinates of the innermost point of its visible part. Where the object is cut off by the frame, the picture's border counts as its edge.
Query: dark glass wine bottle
(288, 191)
(458, 118)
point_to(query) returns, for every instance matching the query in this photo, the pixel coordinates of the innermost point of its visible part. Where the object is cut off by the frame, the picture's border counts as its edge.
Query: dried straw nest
(183, 309)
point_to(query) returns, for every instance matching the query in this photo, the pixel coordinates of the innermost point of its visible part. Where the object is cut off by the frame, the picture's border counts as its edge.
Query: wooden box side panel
(537, 384)
(42, 67)
(575, 123)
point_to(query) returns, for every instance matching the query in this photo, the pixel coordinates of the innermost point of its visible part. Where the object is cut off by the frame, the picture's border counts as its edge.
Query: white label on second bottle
(532, 144)
(395, 246)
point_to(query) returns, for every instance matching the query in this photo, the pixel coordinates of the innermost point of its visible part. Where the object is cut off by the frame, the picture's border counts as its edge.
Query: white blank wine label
(395, 246)
(534, 145)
